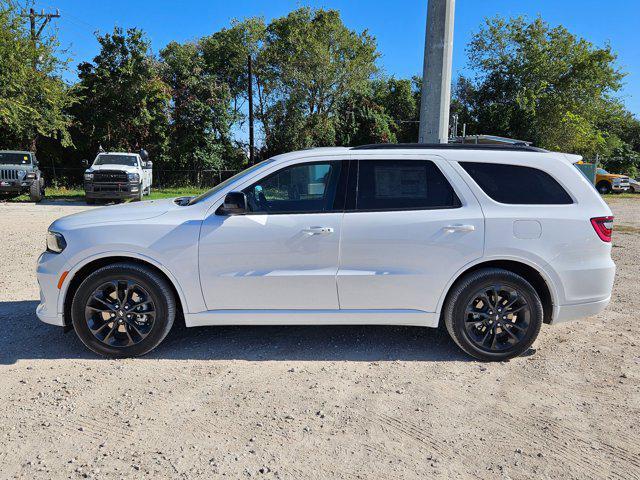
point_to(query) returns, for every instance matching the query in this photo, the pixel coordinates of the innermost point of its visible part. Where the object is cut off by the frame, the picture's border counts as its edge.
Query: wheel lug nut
(504, 318)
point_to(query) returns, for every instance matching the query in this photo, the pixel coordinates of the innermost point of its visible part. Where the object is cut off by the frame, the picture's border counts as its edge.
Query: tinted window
(402, 185)
(301, 188)
(129, 160)
(517, 185)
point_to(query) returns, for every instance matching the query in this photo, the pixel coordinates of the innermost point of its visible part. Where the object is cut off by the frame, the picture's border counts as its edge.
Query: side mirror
(85, 163)
(148, 165)
(144, 155)
(235, 203)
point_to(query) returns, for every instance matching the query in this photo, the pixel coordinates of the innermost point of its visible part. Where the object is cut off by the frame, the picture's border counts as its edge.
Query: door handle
(459, 228)
(318, 230)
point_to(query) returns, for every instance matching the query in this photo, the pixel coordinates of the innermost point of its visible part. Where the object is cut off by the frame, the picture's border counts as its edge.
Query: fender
(547, 273)
(119, 253)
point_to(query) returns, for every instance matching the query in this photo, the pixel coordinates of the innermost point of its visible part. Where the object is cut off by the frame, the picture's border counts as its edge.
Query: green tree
(386, 111)
(310, 62)
(124, 103)
(226, 54)
(33, 97)
(201, 118)
(539, 83)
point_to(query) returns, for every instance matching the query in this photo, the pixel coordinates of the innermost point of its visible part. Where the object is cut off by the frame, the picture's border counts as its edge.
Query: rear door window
(402, 185)
(517, 185)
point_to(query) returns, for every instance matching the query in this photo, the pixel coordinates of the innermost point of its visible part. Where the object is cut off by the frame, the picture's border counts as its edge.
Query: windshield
(228, 181)
(130, 160)
(7, 158)
(602, 171)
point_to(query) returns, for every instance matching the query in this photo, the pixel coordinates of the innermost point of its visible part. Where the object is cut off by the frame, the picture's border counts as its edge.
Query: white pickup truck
(118, 176)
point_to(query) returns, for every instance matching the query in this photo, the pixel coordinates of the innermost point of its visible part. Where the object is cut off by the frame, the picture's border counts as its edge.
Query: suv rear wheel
(493, 314)
(123, 310)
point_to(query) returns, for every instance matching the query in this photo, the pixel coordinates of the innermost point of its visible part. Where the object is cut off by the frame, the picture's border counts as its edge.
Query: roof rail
(518, 147)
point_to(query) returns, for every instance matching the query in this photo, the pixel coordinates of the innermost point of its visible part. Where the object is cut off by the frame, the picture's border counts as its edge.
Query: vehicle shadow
(25, 337)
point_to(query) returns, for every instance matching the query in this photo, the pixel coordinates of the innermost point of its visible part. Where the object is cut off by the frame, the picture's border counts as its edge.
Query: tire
(122, 336)
(140, 193)
(35, 191)
(488, 334)
(603, 187)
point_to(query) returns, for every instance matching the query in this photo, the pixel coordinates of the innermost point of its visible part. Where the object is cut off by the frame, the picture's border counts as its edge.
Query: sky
(399, 26)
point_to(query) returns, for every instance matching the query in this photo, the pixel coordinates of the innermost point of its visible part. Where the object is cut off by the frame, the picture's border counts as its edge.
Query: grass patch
(61, 193)
(76, 194)
(612, 196)
(174, 192)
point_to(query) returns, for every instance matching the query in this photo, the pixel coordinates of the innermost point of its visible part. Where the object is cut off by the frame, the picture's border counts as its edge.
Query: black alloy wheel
(493, 314)
(120, 313)
(123, 310)
(497, 318)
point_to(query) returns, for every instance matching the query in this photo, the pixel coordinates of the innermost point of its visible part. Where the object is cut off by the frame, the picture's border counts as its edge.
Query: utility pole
(45, 17)
(250, 95)
(35, 36)
(436, 74)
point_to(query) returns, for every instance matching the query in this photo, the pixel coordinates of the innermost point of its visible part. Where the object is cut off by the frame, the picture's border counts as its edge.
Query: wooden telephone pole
(44, 17)
(250, 96)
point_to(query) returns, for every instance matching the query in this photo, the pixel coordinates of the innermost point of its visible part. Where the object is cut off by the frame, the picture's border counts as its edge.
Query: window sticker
(405, 182)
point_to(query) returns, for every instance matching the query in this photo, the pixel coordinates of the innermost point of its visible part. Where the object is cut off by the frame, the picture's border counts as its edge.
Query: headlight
(134, 177)
(88, 176)
(55, 242)
(30, 176)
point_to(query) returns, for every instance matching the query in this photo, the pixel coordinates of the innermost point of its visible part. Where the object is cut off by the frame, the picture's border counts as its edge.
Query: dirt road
(316, 402)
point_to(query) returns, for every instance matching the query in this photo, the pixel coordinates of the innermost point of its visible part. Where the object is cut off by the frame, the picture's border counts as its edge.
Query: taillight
(603, 227)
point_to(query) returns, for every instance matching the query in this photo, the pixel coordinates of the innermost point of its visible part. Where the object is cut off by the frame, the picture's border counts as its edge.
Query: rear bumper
(567, 313)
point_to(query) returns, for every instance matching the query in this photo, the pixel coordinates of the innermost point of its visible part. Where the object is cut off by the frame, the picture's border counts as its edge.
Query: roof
(16, 151)
(117, 153)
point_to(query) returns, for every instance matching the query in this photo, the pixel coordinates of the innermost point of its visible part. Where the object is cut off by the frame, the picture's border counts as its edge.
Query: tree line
(315, 82)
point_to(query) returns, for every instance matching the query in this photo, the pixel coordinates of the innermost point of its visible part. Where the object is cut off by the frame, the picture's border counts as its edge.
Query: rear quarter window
(518, 185)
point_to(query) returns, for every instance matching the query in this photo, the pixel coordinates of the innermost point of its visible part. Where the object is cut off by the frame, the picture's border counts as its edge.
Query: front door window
(305, 188)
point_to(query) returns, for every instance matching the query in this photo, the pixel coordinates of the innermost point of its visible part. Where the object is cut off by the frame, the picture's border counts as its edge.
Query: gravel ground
(315, 402)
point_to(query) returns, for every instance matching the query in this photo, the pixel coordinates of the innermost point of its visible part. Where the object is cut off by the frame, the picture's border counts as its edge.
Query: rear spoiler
(571, 158)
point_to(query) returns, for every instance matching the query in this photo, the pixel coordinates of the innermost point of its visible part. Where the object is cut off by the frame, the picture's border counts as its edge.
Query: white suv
(490, 241)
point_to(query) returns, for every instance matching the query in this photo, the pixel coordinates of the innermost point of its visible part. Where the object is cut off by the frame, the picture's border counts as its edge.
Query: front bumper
(14, 187)
(111, 190)
(625, 187)
(50, 268)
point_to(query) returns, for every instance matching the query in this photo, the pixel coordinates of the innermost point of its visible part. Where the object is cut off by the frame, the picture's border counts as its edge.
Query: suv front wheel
(36, 191)
(493, 314)
(123, 310)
